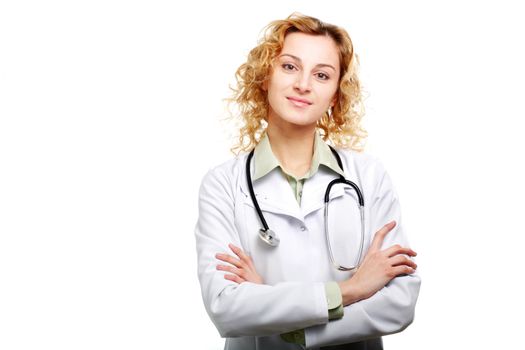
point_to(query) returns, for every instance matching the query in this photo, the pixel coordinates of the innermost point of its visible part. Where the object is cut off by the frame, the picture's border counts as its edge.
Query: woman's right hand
(377, 268)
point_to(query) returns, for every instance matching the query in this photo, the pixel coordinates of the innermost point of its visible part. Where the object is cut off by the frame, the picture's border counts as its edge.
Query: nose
(302, 83)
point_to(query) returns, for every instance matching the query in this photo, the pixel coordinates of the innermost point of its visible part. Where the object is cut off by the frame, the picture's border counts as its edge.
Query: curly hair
(342, 127)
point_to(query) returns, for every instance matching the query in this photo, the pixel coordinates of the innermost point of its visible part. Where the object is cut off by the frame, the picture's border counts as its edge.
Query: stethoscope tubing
(269, 237)
(252, 194)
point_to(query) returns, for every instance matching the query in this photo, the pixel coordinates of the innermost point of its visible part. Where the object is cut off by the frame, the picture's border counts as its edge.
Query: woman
(278, 288)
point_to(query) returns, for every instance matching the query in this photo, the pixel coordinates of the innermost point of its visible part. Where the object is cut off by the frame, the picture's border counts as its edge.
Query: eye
(323, 76)
(288, 66)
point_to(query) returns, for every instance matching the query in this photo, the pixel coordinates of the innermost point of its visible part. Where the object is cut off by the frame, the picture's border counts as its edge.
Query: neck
(293, 147)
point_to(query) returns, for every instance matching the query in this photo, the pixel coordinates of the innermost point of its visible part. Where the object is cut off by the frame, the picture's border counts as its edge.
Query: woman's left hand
(243, 268)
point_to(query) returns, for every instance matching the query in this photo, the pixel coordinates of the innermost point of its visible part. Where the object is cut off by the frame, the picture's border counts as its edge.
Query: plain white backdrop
(110, 115)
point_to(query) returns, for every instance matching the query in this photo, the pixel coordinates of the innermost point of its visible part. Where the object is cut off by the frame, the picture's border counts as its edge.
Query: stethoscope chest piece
(269, 237)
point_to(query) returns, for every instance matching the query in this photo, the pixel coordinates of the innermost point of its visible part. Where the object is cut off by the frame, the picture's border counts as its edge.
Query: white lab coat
(251, 316)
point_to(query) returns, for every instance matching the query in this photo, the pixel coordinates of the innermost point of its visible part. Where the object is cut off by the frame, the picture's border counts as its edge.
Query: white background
(110, 116)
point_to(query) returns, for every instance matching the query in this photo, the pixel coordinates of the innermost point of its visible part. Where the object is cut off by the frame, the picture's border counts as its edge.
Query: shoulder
(361, 162)
(225, 175)
(368, 171)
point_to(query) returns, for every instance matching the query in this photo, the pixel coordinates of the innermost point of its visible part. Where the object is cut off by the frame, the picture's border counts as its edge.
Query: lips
(299, 102)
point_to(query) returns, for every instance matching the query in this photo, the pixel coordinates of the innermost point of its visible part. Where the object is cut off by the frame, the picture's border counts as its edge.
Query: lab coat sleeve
(245, 309)
(391, 309)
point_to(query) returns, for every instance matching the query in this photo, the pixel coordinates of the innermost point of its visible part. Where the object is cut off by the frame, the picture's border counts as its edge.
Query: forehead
(312, 49)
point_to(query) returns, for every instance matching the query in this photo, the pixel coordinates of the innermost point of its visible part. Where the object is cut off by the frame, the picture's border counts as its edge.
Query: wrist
(350, 292)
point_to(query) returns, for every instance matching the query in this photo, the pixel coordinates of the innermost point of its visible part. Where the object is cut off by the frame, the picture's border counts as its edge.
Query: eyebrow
(318, 65)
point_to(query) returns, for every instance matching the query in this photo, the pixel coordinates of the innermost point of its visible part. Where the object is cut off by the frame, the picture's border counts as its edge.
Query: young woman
(334, 276)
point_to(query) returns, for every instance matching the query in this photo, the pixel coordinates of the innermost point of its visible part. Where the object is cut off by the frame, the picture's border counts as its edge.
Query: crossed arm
(377, 269)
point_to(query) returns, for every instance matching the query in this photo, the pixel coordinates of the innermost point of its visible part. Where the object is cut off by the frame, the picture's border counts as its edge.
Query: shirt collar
(265, 160)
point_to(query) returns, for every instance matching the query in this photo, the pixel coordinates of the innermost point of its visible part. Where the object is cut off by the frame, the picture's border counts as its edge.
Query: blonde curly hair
(342, 127)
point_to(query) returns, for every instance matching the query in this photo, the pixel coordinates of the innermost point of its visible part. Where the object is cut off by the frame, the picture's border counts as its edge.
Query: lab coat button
(303, 228)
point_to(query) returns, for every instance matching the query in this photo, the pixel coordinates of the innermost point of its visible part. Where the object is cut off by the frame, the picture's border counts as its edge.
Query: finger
(380, 236)
(398, 260)
(397, 249)
(234, 278)
(232, 269)
(244, 257)
(402, 270)
(229, 259)
(238, 251)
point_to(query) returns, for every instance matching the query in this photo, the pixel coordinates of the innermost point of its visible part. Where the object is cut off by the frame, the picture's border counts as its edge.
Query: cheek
(276, 89)
(272, 97)
(330, 95)
(280, 80)
(325, 100)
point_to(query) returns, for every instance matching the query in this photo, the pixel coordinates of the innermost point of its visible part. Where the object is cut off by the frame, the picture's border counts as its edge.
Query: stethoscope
(269, 237)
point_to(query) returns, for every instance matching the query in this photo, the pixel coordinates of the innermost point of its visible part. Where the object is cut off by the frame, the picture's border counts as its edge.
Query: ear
(265, 85)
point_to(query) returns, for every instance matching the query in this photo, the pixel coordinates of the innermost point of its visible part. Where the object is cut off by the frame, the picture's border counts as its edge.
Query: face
(304, 80)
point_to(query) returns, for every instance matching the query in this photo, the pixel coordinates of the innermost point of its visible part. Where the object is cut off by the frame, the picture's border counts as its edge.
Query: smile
(299, 103)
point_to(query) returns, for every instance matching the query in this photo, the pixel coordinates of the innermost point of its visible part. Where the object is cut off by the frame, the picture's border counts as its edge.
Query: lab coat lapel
(315, 188)
(274, 195)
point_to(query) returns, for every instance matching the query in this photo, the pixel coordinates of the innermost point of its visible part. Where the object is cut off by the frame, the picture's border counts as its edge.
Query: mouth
(299, 102)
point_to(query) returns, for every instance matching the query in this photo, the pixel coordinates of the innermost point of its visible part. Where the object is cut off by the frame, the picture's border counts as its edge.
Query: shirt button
(300, 193)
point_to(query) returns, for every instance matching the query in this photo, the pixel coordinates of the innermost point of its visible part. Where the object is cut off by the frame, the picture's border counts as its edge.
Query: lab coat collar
(274, 195)
(314, 190)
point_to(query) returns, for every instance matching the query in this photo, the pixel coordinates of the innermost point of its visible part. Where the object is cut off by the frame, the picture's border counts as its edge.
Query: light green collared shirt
(265, 161)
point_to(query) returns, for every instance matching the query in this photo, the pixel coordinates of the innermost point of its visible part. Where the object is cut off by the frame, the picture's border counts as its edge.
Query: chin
(301, 121)
(294, 118)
